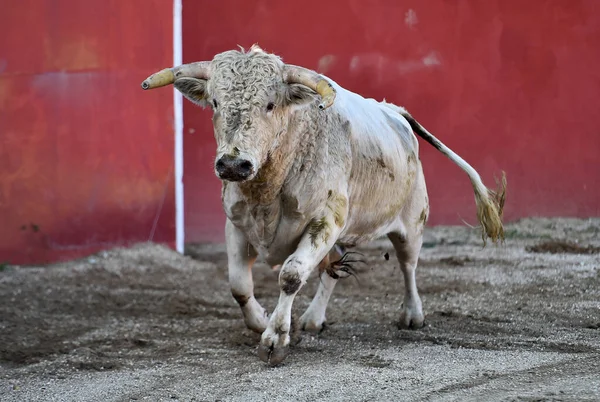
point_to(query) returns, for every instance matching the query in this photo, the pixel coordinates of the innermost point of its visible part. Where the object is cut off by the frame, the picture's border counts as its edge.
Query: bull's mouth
(234, 177)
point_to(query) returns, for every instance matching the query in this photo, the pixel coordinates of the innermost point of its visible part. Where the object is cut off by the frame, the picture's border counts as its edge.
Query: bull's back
(384, 168)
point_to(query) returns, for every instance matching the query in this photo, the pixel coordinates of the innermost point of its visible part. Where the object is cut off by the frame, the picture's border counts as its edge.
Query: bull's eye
(215, 103)
(270, 106)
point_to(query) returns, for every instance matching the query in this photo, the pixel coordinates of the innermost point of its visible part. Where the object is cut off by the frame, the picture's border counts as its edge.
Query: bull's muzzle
(232, 168)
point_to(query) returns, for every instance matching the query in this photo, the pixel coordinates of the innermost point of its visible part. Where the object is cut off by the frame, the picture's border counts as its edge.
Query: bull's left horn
(309, 78)
(200, 69)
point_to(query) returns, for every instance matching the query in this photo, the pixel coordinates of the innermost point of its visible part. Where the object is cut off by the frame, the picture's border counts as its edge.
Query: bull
(309, 168)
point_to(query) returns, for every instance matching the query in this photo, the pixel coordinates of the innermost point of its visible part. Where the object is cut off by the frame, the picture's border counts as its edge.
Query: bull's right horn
(309, 78)
(200, 69)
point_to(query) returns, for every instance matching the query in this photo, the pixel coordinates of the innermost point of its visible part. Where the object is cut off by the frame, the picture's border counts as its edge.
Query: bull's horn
(200, 69)
(301, 75)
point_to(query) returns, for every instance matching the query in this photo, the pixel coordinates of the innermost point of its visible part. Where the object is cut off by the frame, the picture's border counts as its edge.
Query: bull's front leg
(240, 258)
(316, 242)
(313, 318)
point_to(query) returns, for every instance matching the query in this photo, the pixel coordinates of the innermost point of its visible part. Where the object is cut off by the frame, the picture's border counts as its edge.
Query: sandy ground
(502, 323)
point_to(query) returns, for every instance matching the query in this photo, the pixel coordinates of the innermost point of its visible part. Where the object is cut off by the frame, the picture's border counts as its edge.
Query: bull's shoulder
(323, 151)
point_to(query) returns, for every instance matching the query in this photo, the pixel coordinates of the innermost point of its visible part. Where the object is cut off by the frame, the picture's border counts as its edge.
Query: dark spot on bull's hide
(380, 162)
(289, 202)
(346, 126)
(290, 283)
(302, 167)
(238, 208)
(240, 299)
(386, 256)
(423, 216)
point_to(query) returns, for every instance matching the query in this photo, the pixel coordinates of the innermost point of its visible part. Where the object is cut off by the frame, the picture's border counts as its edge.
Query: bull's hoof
(410, 321)
(311, 322)
(313, 327)
(411, 325)
(264, 353)
(272, 356)
(295, 338)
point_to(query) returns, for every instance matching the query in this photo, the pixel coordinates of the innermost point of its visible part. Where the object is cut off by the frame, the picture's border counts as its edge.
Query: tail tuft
(490, 206)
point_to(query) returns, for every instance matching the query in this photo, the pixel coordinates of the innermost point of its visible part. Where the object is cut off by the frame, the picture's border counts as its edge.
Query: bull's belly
(362, 229)
(365, 223)
(276, 255)
(377, 210)
(289, 234)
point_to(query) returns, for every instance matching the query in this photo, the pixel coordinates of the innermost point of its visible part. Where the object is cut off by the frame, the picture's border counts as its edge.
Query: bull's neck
(268, 183)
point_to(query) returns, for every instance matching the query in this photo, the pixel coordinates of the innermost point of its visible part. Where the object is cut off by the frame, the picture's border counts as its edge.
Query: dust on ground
(506, 322)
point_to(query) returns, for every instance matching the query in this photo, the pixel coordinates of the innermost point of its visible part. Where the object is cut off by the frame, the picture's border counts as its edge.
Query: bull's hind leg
(408, 248)
(240, 258)
(313, 318)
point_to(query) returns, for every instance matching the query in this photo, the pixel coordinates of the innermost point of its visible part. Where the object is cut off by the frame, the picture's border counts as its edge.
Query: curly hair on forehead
(244, 80)
(244, 73)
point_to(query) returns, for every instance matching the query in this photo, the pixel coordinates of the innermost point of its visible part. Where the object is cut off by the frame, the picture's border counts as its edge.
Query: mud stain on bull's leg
(242, 300)
(289, 279)
(411, 160)
(338, 205)
(290, 283)
(423, 216)
(318, 228)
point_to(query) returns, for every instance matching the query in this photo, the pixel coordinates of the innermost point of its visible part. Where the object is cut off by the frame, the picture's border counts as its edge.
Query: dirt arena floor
(519, 322)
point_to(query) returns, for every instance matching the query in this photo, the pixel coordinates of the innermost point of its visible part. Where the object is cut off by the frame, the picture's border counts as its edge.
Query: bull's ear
(298, 95)
(193, 89)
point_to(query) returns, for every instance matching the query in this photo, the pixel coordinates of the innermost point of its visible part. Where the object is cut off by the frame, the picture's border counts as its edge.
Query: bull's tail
(489, 203)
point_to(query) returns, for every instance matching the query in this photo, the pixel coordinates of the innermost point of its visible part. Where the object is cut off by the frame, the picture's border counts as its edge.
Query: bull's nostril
(246, 166)
(228, 167)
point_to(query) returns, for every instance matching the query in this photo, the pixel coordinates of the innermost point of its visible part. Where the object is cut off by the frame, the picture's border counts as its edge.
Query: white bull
(308, 166)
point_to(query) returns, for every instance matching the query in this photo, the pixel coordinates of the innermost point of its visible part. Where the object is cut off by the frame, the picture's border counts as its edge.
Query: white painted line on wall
(178, 107)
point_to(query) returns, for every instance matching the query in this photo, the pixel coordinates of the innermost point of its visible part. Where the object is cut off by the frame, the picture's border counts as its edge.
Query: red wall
(508, 84)
(86, 156)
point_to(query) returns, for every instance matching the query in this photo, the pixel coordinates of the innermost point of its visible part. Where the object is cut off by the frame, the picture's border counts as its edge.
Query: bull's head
(252, 95)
